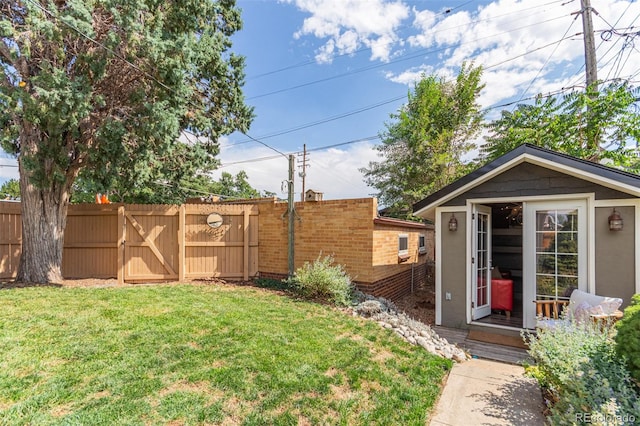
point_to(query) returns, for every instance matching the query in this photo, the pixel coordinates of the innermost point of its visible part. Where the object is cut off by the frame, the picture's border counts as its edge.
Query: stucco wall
(453, 269)
(615, 255)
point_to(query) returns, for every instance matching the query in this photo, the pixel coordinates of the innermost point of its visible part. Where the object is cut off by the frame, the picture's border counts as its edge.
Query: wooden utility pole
(591, 70)
(291, 214)
(591, 66)
(303, 173)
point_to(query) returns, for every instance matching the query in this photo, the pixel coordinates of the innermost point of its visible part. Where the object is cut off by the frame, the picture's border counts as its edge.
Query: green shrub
(323, 280)
(586, 380)
(628, 337)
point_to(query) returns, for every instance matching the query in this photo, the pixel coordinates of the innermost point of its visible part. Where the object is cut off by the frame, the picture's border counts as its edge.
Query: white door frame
(484, 310)
(529, 249)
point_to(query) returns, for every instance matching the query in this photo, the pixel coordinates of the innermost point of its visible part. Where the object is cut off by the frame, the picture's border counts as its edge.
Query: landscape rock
(415, 332)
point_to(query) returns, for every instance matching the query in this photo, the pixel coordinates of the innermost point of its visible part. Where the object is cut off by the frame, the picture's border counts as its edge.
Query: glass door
(481, 259)
(555, 252)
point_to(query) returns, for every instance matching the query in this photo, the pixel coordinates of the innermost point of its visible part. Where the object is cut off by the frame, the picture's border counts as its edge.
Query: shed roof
(587, 170)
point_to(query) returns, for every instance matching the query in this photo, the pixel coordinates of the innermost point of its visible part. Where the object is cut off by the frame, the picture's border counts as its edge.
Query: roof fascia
(539, 161)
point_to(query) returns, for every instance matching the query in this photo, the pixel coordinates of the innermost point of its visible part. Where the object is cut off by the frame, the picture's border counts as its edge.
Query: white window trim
(406, 251)
(422, 248)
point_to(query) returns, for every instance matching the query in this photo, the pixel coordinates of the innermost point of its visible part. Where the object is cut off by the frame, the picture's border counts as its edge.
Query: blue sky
(336, 69)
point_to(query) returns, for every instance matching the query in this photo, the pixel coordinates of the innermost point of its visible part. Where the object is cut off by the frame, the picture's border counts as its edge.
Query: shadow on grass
(8, 285)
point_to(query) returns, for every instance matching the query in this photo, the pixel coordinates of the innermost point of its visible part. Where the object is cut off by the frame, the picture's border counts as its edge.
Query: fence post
(245, 263)
(121, 244)
(182, 224)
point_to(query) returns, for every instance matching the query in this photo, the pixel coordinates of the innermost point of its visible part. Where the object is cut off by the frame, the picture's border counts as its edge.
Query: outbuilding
(532, 224)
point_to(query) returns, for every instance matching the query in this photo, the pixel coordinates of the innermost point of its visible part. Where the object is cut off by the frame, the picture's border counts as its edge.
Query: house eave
(592, 172)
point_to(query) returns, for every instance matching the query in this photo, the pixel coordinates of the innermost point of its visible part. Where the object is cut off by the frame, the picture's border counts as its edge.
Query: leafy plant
(584, 378)
(323, 280)
(628, 337)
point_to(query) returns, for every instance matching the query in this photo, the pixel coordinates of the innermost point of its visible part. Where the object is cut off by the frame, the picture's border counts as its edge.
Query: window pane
(566, 285)
(546, 264)
(545, 286)
(568, 242)
(568, 264)
(556, 252)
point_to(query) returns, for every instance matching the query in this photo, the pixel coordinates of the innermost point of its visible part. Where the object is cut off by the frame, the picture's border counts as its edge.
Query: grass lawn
(198, 354)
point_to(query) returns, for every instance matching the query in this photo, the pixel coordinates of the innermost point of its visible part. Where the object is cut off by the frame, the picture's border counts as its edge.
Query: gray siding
(529, 180)
(453, 264)
(615, 255)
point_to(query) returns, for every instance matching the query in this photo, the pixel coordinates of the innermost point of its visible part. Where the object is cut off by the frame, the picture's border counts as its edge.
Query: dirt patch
(420, 305)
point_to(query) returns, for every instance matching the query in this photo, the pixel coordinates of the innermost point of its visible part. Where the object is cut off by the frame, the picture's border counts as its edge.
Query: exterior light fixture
(453, 223)
(615, 221)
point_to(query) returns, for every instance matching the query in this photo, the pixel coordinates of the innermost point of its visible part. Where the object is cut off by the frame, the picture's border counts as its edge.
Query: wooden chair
(551, 309)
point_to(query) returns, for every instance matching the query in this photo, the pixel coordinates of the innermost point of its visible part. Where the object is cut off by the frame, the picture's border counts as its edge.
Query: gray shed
(532, 224)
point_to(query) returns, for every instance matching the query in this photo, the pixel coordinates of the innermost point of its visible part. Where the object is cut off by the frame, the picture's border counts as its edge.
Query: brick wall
(350, 231)
(341, 228)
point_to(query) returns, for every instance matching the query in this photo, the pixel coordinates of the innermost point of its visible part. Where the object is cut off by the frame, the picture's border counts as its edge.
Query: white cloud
(334, 171)
(519, 43)
(352, 24)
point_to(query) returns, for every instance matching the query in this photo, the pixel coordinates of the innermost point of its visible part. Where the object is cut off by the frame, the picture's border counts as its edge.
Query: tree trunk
(44, 217)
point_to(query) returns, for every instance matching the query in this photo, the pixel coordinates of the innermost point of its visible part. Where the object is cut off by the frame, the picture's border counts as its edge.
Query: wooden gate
(151, 243)
(176, 243)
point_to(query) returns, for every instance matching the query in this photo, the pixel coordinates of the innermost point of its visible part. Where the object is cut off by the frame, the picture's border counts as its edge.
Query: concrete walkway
(481, 392)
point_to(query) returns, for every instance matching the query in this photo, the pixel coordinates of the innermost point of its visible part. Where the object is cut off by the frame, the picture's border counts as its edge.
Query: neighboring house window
(403, 244)
(422, 244)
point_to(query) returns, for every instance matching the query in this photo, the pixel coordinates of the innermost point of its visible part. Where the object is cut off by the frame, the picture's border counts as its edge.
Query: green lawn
(190, 354)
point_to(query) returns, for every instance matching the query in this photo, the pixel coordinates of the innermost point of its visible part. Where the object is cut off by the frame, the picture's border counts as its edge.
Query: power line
(323, 121)
(443, 13)
(530, 51)
(403, 58)
(364, 49)
(366, 139)
(548, 59)
(264, 144)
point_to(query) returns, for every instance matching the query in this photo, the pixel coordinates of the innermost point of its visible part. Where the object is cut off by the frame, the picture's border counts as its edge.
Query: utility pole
(591, 66)
(303, 173)
(591, 70)
(291, 214)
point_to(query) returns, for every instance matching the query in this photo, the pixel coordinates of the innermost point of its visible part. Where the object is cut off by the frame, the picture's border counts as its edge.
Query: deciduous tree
(423, 147)
(91, 84)
(601, 126)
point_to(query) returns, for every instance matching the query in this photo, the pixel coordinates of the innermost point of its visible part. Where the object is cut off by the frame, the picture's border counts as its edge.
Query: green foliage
(323, 280)
(601, 126)
(628, 337)
(11, 189)
(161, 191)
(585, 378)
(422, 148)
(105, 88)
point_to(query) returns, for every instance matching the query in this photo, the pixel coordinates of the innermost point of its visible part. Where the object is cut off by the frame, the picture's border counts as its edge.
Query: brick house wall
(350, 231)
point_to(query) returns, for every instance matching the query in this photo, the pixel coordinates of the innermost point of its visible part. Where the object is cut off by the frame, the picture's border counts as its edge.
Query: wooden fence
(138, 243)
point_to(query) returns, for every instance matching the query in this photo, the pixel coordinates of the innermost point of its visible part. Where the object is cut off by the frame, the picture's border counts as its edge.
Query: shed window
(422, 244)
(403, 244)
